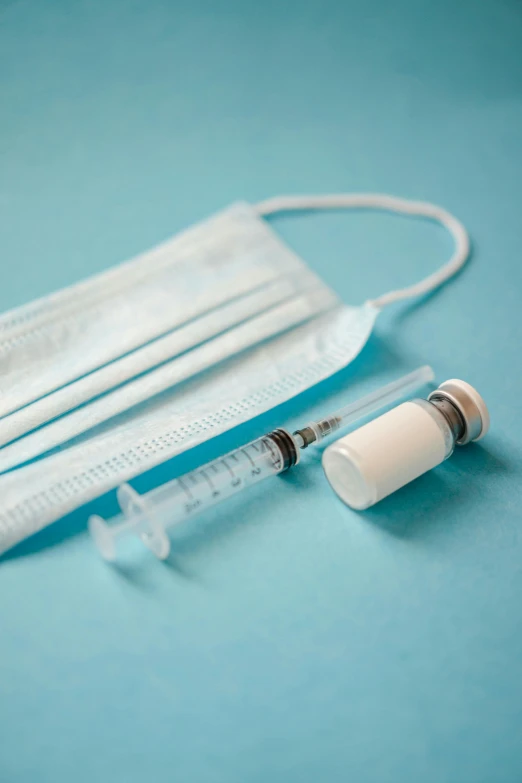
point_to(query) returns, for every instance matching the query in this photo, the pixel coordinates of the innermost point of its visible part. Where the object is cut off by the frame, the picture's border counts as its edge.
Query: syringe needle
(316, 431)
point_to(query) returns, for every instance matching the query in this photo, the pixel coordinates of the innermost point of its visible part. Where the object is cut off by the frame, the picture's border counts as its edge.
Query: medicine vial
(402, 444)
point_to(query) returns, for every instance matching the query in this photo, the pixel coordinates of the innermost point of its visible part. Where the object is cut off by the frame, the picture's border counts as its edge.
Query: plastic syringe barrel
(149, 515)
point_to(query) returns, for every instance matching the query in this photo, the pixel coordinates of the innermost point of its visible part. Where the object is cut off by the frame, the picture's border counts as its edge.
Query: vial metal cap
(469, 404)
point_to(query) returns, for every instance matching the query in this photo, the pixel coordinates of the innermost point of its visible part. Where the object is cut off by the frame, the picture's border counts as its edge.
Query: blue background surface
(288, 638)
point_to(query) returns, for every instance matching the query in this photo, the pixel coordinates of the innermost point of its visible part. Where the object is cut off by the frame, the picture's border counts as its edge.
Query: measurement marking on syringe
(276, 456)
(247, 455)
(208, 480)
(229, 468)
(187, 490)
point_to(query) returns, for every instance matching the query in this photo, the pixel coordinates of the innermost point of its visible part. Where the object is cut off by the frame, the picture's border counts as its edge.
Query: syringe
(148, 516)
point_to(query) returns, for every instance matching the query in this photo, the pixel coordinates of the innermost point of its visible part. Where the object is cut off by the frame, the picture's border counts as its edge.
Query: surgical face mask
(131, 367)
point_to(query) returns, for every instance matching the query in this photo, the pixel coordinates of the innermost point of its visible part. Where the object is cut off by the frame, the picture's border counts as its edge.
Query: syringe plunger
(149, 515)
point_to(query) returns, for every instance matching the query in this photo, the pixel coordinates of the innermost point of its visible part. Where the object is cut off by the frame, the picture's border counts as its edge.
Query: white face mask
(211, 328)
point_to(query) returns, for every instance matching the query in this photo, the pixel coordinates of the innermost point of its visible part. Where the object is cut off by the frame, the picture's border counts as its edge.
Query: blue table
(291, 639)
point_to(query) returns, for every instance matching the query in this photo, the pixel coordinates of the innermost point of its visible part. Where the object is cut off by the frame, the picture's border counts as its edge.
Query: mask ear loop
(389, 204)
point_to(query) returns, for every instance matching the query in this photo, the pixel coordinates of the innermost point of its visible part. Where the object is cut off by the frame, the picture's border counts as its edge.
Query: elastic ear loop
(389, 204)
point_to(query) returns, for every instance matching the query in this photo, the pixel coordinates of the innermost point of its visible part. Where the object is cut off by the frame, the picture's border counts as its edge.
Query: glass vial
(375, 460)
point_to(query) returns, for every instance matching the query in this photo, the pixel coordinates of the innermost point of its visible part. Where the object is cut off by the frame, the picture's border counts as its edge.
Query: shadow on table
(436, 501)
